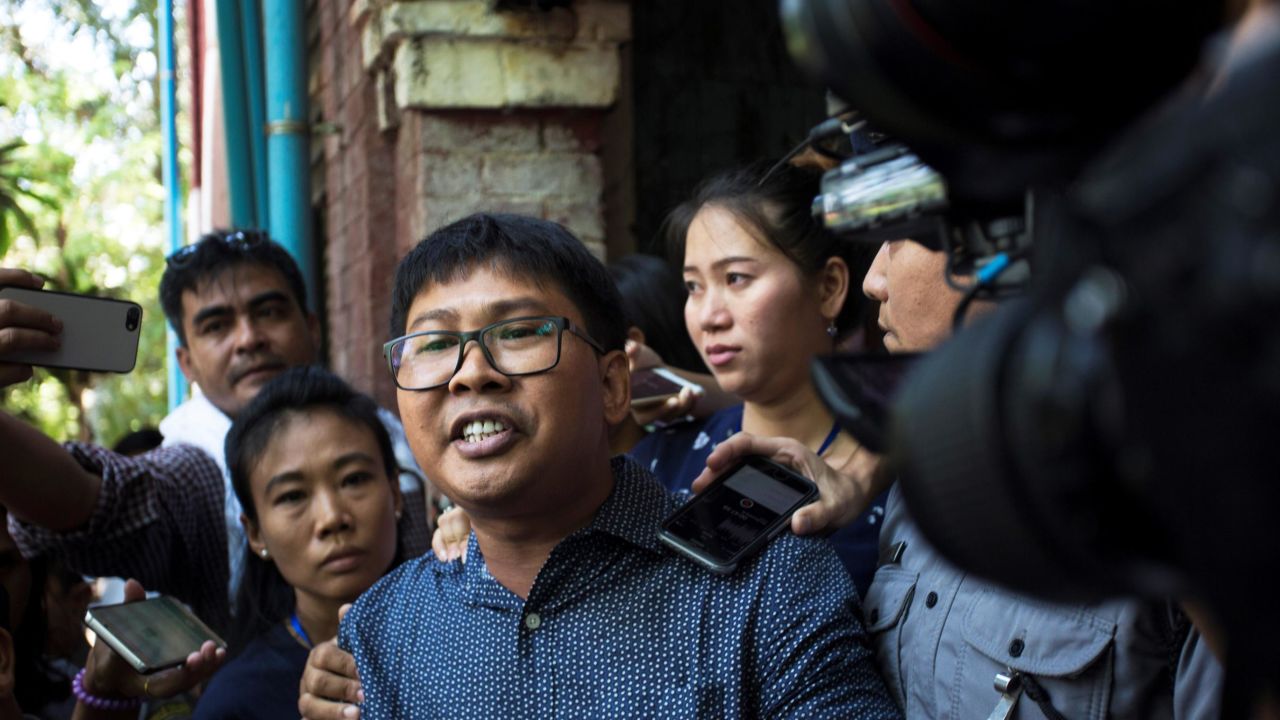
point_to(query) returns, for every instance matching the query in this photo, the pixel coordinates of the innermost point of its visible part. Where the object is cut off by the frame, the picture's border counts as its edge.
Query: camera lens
(131, 320)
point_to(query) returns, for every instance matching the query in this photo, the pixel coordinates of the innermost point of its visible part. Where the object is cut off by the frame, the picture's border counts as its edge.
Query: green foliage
(80, 197)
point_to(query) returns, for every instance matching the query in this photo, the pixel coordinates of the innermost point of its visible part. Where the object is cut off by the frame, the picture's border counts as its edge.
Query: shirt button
(533, 621)
(931, 599)
(1016, 647)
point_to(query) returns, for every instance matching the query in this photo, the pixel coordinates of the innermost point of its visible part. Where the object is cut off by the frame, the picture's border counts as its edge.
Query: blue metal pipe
(172, 185)
(288, 161)
(251, 45)
(235, 116)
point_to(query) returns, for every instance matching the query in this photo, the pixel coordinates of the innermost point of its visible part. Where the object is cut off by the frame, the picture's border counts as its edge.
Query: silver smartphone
(151, 635)
(651, 386)
(98, 334)
(738, 513)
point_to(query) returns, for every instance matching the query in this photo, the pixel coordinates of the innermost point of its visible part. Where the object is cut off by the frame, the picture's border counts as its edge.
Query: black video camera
(1109, 433)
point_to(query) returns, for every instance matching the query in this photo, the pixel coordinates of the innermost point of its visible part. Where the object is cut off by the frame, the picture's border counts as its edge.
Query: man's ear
(8, 665)
(313, 327)
(184, 362)
(833, 287)
(617, 387)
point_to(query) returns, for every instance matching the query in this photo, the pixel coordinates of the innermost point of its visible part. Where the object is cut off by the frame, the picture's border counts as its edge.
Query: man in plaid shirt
(237, 302)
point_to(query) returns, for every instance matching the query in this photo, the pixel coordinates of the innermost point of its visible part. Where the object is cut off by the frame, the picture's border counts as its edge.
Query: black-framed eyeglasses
(238, 240)
(519, 346)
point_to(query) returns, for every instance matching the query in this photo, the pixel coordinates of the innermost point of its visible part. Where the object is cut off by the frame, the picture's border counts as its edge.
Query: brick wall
(430, 110)
(357, 201)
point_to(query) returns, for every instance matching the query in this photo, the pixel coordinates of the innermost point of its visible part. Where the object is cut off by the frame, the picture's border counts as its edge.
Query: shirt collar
(631, 513)
(635, 508)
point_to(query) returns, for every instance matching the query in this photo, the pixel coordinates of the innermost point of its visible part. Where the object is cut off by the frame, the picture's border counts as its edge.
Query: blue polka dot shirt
(617, 626)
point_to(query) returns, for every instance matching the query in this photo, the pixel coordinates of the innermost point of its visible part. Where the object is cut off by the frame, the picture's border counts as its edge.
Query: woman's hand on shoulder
(453, 531)
(330, 685)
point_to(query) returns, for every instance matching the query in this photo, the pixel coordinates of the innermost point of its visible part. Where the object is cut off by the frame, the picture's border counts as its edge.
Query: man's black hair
(520, 247)
(215, 253)
(264, 598)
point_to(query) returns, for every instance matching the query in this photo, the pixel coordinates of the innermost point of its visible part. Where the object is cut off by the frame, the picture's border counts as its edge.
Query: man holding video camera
(1118, 423)
(1110, 434)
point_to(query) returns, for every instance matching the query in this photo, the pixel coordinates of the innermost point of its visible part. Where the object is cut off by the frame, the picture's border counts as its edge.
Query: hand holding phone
(151, 635)
(655, 385)
(23, 328)
(64, 330)
(106, 674)
(737, 515)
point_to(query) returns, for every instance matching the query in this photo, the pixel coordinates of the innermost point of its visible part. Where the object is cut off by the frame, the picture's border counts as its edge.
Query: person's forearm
(40, 483)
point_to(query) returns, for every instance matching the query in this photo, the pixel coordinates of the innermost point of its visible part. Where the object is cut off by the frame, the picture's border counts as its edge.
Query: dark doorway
(714, 88)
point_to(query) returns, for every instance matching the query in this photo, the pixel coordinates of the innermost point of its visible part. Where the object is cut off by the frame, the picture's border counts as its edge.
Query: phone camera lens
(131, 319)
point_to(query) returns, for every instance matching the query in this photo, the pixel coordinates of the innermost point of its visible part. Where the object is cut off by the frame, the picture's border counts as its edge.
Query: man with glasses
(237, 303)
(510, 366)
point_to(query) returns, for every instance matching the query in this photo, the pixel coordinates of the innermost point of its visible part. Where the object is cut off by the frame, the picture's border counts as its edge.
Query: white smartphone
(150, 635)
(654, 385)
(98, 334)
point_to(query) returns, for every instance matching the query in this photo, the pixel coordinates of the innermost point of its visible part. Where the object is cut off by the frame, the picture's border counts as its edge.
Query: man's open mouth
(478, 430)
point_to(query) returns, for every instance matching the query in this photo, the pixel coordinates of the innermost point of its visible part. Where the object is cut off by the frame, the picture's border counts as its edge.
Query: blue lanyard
(831, 437)
(297, 627)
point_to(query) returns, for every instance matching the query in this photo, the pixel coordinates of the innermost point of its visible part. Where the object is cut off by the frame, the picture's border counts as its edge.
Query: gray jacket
(943, 636)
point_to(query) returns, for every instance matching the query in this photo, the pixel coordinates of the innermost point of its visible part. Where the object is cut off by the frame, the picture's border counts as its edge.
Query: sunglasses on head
(239, 240)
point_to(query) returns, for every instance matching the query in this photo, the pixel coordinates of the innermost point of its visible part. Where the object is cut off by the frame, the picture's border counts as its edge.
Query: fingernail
(350, 711)
(360, 694)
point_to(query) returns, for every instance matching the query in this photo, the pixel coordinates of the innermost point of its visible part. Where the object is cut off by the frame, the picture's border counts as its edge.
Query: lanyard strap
(831, 437)
(297, 628)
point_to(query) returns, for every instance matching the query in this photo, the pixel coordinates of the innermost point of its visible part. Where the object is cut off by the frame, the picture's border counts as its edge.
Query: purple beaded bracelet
(101, 703)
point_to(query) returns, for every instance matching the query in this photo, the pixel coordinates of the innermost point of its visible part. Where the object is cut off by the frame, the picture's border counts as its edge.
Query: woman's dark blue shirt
(259, 683)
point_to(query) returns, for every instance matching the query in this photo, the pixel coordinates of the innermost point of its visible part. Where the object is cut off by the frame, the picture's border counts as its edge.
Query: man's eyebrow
(256, 301)
(208, 312)
(723, 262)
(495, 310)
(267, 296)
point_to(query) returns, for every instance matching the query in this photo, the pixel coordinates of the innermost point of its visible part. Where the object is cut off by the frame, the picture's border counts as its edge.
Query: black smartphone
(98, 334)
(737, 514)
(859, 389)
(654, 385)
(150, 635)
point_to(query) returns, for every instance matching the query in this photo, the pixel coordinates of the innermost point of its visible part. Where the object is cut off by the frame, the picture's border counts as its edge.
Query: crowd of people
(293, 515)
